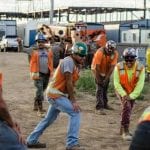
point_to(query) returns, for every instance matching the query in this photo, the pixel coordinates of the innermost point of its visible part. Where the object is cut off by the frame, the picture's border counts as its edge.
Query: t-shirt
(105, 61)
(43, 61)
(67, 65)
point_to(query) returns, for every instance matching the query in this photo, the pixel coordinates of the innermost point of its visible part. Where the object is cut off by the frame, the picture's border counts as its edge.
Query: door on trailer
(32, 34)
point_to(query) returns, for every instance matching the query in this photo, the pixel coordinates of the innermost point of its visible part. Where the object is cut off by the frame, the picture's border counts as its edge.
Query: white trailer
(30, 31)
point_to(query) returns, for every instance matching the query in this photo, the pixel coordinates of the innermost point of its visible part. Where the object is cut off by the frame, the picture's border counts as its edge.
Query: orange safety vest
(34, 64)
(145, 116)
(57, 87)
(0, 79)
(126, 84)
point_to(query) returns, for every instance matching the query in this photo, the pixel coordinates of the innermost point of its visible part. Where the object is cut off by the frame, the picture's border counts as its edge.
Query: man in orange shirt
(101, 38)
(60, 94)
(41, 68)
(102, 66)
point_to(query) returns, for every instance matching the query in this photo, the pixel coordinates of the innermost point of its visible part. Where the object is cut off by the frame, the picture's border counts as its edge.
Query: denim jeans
(41, 85)
(9, 139)
(61, 104)
(141, 138)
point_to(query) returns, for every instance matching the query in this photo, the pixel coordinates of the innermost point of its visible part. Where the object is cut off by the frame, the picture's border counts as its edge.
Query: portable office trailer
(8, 28)
(30, 31)
(112, 32)
(135, 32)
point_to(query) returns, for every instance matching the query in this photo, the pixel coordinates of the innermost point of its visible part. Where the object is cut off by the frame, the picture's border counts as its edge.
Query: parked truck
(8, 35)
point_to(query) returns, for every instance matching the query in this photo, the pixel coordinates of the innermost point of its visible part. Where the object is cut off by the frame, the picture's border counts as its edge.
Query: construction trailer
(8, 28)
(137, 32)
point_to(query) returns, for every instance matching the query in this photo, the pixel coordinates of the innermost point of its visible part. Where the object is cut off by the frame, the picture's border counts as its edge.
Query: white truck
(8, 35)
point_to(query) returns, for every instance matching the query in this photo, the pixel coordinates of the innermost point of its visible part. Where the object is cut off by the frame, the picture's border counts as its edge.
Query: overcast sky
(23, 5)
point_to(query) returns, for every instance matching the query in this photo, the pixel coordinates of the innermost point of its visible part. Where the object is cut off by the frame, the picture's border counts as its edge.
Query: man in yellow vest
(141, 138)
(129, 76)
(60, 94)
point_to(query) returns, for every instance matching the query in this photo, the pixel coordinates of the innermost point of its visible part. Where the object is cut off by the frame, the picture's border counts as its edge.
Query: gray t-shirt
(43, 61)
(67, 65)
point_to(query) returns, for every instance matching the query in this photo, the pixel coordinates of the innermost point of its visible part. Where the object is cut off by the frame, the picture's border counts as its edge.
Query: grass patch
(86, 83)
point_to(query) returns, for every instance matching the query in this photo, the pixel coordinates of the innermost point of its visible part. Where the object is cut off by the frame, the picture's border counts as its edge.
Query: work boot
(108, 107)
(41, 111)
(36, 145)
(100, 111)
(75, 147)
(126, 135)
(35, 107)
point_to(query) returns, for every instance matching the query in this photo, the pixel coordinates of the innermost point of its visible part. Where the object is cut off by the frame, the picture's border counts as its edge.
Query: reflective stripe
(121, 68)
(54, 91)
(139, 68)
(34, 75)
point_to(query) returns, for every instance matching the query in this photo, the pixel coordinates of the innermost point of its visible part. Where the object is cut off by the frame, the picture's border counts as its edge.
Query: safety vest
(57, 86)
(34, 64)
(145, 116)
(148, 60)
(124, 81)
(0, 79)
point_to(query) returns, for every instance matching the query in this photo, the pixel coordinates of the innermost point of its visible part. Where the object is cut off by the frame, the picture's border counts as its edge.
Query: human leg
(64, 105)
(38, 103)
(99, 97)
(43, 124)
(9, 139)
(105, 97)
(125, 118)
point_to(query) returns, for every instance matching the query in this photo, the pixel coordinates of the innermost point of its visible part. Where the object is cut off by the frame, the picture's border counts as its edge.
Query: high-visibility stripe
(34, 75)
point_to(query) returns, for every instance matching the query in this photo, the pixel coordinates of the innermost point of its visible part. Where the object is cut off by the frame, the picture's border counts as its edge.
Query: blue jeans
(61, 104)
(9, 138)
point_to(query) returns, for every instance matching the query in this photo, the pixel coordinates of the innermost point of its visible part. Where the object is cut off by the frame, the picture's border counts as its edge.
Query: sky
(24, 6)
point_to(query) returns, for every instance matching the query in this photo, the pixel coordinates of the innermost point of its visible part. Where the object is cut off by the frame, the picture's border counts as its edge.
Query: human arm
(139, 86)
(5, 116)
(117, 85)
(70, 90)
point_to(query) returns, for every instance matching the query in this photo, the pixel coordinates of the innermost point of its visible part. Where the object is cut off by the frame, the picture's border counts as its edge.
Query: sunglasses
(81, 55)
(129, 60)
(40, 41)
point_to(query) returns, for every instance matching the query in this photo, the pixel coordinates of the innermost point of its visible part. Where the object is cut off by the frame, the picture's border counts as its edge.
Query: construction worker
(129, 76)
(10, 133)
(103, 64)
(101, 38)
(148, 63)
(20, 44)
(41, 68)
(60, 94)
(140, 140)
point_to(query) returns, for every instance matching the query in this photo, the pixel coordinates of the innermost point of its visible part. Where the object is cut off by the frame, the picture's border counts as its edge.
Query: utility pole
(51, 11)
(144, 9)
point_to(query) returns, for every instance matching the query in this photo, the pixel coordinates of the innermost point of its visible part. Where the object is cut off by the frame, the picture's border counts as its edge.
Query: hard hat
(111, 44)
(40, 37)
(79, 48)
(129, 52)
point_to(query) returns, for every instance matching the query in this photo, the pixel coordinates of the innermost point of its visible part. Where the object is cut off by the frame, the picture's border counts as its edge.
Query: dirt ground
(97, 132)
